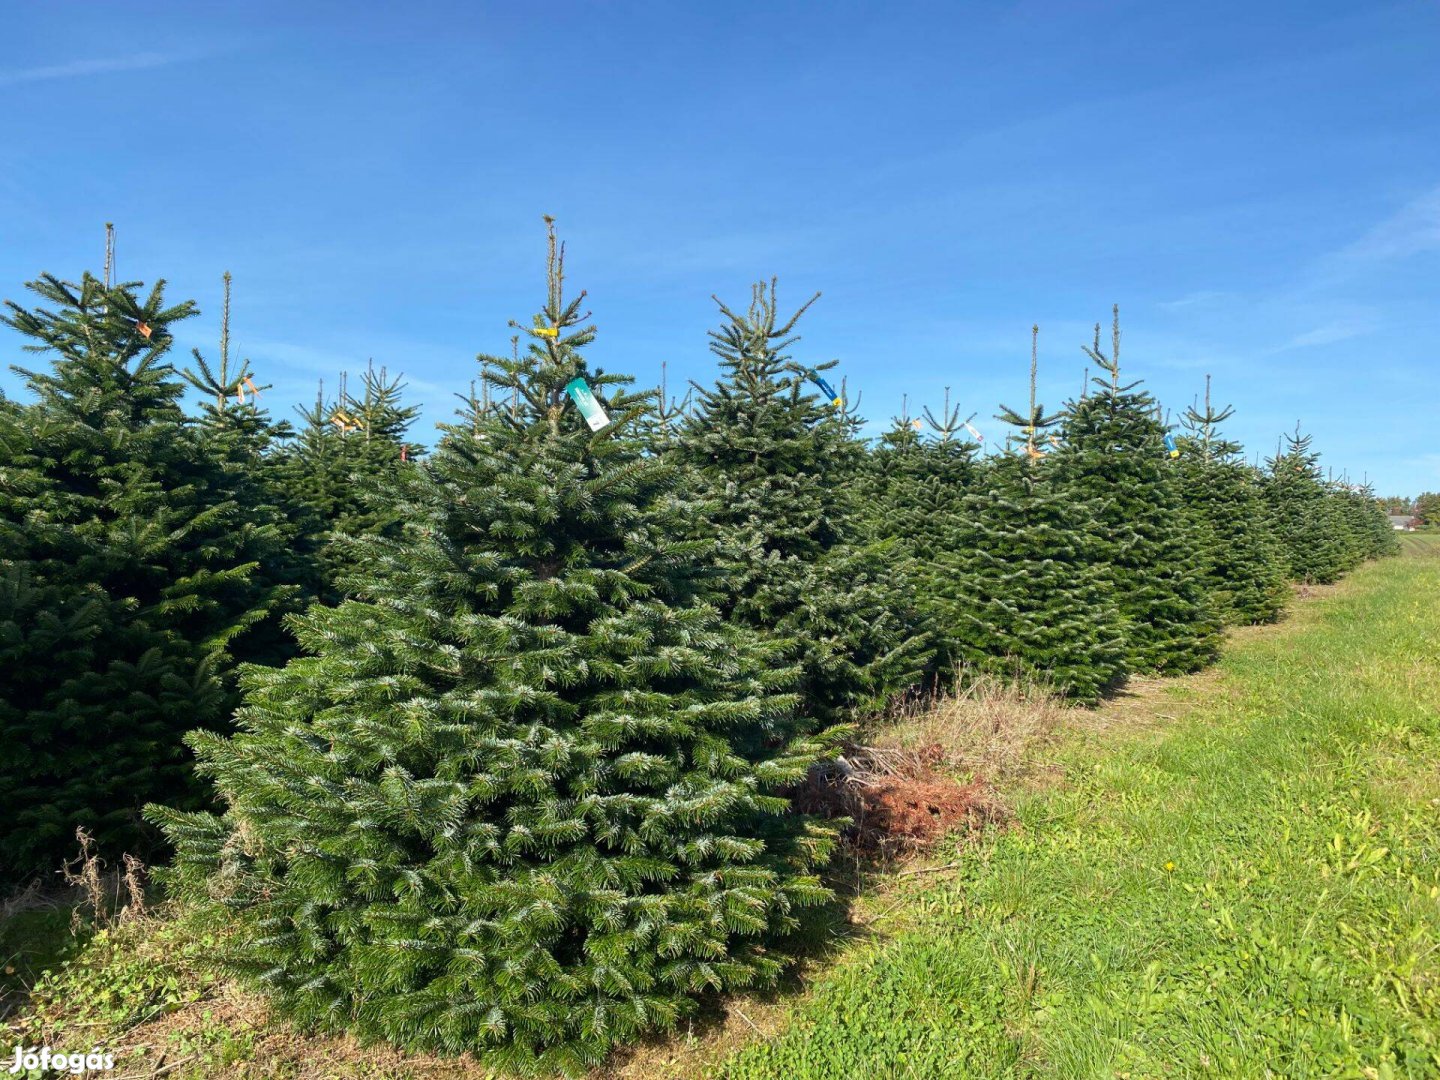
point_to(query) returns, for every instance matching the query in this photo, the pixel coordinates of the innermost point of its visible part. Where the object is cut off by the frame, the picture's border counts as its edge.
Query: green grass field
(1251, 888)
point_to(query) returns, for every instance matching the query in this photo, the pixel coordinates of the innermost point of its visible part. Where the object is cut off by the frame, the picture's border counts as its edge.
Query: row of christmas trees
(502, 735)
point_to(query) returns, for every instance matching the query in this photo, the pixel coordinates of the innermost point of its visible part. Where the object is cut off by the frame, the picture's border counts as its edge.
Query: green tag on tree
(585, 401)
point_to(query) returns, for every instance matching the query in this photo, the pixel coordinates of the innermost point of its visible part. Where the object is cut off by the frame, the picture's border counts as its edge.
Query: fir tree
(1313, 534)
(230, 406)
(659, 429)
(522, 796)
(241, 440)
(778, 467)
(918, 475)
(129, 575)
(914, 496)
(1031, 599)
(336, 471)
(1370, 529)
(1240, 557)
(1114, 458)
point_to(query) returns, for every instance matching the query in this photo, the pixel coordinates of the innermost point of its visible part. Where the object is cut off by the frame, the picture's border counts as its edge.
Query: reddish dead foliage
(916, 813)
(897, 801)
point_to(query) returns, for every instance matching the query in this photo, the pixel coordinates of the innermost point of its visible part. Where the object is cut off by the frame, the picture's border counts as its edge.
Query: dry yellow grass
(989, 729)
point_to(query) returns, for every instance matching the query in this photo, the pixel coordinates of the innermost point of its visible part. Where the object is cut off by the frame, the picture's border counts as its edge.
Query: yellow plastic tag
(546, 331)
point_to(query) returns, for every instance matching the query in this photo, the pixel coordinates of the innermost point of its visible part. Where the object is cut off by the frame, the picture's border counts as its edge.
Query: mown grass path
(1249, 889)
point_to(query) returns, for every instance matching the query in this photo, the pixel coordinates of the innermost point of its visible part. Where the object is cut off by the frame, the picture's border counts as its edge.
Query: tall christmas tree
(918, 475)
(1031, 599)
(230, 408)
(239, 438)
(336, 471)
(1240, 556)
(772, 447)
(130, 574)
(1371, 534)
(522, 796)
(1114, 457)
(1308, 521)
(914, 496)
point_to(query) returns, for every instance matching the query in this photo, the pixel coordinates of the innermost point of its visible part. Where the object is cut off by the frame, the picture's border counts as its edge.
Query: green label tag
(585, 401)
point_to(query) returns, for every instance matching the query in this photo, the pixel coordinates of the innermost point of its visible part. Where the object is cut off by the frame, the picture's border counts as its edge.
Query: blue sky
(1257, 186)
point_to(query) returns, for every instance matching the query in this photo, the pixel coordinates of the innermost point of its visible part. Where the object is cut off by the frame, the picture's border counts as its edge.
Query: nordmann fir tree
(778, 467)
(1113, 456)
(230, 407)
(660, 427)
(240, 438)
(522, 796)
(335, 472)
(1372, 536)
(913, 495)
(1308, 521)
(130, 570)
(1239, 554)
(1031, 600)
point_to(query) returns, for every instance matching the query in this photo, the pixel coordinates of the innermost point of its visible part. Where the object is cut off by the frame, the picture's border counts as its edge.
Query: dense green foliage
(1239, 554)
(502, 735)
(914, 497)
(1018, 566)
(1036, 602)
(334, 474)
(1114, 459)
(1427, 509)
(523, 793)
(129, 564)
(1325, 528)
(776, 468)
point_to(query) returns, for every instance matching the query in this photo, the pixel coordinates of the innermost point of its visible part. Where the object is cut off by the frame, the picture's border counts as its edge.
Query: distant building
(1403, 522)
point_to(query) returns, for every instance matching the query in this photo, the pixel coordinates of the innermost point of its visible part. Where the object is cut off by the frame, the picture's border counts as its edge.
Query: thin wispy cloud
(75, 69)
(288, 363)
(1195, 299)
(1330, 333)
(1414, 228)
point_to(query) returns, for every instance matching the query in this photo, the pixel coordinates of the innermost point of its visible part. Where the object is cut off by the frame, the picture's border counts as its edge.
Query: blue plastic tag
(826, 389)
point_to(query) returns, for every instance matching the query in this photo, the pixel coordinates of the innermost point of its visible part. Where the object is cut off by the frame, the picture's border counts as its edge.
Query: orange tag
(144, 329)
